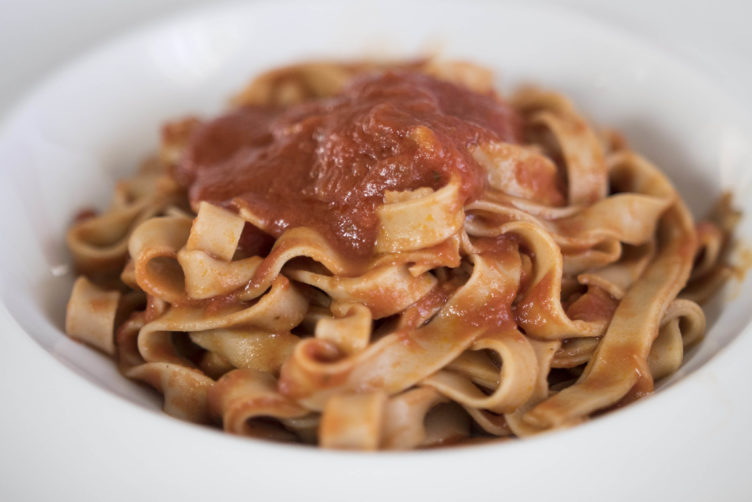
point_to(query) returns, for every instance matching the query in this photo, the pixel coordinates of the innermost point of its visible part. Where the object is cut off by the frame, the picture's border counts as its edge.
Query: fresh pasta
(391, 256)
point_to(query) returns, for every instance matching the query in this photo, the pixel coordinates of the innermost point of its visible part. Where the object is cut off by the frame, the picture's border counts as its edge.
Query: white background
(38, 36)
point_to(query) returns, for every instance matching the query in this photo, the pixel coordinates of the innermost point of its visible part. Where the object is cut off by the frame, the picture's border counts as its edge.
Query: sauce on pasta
(390, 256)
(327, 163)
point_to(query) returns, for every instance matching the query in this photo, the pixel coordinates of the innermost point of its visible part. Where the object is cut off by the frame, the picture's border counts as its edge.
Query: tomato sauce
(327, 163)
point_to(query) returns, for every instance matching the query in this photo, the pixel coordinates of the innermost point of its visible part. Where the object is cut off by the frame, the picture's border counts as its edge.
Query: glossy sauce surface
(327, 163)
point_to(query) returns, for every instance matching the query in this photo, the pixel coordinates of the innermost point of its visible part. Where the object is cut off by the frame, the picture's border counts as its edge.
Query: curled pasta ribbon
(154, 248)
(281, 309)
(682, 326)
(710, 245)
(418, 219)
(296, 83)
(514, 382)
(384, 290)
(184, 389)
(533, 208)
(616, 278)
(347, 280)
(579, 146)
(296, 243)
(478, 367)
(247, 402)
(90, 315)
(702, 289)
(207, 257)
(462, 73)
(350, 330)
(420, 261)
(512, 168)
(353, 421)
(215, 232)
(247, 347)
(422, 417)
(545, 352)
(619, 364)
(208, 277)
(539, 309)
(126, 341)
(490, 423)
(126, 334)
(400, 360)
(710, 271)
(100, 243)
(404, 424)
(574, 352)
(627, 218)
(596, 257)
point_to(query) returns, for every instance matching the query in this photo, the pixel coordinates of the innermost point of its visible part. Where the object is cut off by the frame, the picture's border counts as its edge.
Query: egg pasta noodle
(505, 314)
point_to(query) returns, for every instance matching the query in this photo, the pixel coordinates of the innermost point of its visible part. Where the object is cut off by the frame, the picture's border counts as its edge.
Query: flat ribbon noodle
(418, 219)
(628, 218)
(620, 361)
(711, 271)
(574, 352)
(477, 366)
(353, 421)
(682, 326)
(90, 315)
(299, 82)
(248, 347)
(580, 148)
(295, 243)
(206, 258)
(515, 379)
(184, 389)
(405, 414)
(519, 171)
(154, 248)
(618, 277)
(350, 330)
(384, 290)
(545, 352)
(243, 397)
(596, 257)
(281, 309)
(533, 208)
(539, 309)
(101, 242)
(399, 360)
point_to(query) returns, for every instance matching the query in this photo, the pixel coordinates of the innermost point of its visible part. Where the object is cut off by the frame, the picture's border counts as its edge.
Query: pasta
(390, 256)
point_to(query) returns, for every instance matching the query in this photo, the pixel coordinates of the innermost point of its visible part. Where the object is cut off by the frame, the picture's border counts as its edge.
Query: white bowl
(64, 147)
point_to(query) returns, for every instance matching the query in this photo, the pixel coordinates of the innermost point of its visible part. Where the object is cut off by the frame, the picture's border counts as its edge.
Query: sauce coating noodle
(391, 256)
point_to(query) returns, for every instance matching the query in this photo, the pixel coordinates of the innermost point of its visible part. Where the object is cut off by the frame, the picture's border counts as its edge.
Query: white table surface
(37, 36)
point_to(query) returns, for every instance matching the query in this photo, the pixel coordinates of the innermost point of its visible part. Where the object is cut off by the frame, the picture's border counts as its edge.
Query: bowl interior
(63, 148)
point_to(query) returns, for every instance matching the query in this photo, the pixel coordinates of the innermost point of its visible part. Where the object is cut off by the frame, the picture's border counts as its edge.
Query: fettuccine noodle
(389, 256)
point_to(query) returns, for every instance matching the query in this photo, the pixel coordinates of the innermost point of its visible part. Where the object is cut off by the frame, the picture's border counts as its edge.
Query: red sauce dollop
(327, 163)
